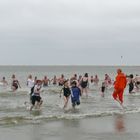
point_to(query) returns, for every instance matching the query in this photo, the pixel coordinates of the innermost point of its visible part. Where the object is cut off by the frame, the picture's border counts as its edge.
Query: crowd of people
(76, 86)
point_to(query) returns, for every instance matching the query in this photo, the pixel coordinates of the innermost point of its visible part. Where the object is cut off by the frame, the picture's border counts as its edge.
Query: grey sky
(49, 32)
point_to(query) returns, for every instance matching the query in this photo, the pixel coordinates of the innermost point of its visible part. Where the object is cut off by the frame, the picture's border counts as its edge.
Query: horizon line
(70, 65)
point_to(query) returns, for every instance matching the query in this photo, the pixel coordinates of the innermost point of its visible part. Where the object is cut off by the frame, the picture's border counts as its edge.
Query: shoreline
(103, 128)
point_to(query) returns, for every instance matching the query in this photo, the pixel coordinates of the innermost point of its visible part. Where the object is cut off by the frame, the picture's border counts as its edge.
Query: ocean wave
(36, 116)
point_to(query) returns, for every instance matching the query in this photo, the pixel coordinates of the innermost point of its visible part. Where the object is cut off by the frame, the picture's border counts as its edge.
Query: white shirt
(30, 83)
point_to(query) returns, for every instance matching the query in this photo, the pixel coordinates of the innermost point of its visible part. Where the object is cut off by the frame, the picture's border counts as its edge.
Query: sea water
(96, 118)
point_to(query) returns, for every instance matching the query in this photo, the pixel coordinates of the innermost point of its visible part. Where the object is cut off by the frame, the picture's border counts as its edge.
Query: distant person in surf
(54, 80)
(30, 84)
(61, 80)
(119, 86)
(91, 83)
(107, 80)
(137, 82)
(79, 80)
(103, 87)
(15, 83)
(84, 84)
(91, 79)
(46, 81)
(74, 78)
(96, 80)
(4, 82)
(131, 83)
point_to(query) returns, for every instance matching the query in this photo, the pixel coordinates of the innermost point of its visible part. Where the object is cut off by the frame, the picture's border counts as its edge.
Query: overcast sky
(69, 32)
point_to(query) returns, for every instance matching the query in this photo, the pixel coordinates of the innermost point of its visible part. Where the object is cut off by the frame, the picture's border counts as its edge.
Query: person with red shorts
(119, 86)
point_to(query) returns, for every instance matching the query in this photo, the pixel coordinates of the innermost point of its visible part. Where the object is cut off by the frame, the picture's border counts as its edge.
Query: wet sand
(116, 127)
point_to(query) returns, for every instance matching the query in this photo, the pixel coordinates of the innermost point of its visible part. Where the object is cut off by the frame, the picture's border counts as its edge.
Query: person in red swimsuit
(119, 86)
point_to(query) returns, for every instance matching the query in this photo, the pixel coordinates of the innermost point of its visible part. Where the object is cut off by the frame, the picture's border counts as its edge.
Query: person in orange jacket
(119, 86)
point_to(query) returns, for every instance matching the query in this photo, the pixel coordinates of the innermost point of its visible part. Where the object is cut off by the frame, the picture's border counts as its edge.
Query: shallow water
(96, 118)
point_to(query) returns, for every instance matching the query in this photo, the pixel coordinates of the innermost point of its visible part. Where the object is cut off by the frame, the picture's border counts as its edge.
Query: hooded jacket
(120, 82)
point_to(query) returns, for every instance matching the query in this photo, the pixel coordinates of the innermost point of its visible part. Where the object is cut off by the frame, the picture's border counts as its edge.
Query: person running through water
(15, 83)
(75, 94)
(84, 84)
(119, 86)
(36, 99)
(66, 93)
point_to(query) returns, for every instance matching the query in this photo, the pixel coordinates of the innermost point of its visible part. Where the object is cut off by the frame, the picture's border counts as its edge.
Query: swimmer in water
(137, 82)
(96, 80)
(61, 80)
(54, 80)
(84, 84)
(74, 78)
(103, 89)
(45, 81)
(15, 83)
(131, 83)
(4, 82)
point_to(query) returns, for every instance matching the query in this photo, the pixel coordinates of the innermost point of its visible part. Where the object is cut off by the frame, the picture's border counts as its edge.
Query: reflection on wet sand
(119, 123)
